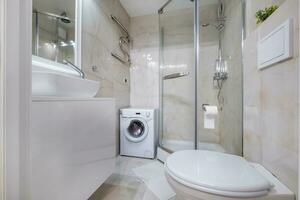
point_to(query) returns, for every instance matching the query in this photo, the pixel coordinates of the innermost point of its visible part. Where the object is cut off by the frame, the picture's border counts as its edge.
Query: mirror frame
(78, 32)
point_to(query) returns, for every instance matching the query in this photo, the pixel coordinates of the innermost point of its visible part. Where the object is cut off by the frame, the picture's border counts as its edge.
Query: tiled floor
(124, 184)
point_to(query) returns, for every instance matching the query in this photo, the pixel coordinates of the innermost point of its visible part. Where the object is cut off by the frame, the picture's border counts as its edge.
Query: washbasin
(59, 85)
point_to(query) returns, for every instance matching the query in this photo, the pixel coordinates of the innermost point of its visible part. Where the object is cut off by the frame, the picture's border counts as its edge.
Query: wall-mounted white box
(277, 46)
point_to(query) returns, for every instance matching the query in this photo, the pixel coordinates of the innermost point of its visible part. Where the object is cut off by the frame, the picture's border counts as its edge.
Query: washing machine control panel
(136, 113)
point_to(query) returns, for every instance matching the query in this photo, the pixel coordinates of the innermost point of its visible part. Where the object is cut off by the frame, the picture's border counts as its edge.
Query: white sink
(58, 85)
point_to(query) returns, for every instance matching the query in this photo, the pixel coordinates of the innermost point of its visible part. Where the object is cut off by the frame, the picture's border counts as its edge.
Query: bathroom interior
(163, 100)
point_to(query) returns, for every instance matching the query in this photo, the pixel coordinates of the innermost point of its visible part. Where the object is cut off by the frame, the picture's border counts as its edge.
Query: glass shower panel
(220, 76)
(177, 73)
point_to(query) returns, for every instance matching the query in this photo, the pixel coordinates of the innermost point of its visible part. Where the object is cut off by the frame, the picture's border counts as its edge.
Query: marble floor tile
(124, 184)
(117, 187)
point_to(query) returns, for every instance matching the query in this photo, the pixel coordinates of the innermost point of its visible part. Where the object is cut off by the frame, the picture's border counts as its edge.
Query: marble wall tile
(231, 109)
(207, 93)
(271, 103)
(100, 37)
(144, 71)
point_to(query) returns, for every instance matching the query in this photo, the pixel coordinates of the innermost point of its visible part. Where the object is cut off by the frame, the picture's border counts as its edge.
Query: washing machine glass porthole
(136, 129)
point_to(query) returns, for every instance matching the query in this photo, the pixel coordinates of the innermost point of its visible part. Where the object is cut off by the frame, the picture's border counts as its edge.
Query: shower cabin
(201, 75)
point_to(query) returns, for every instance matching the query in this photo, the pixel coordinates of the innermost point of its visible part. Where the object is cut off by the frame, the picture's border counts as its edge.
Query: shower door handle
(175, 75)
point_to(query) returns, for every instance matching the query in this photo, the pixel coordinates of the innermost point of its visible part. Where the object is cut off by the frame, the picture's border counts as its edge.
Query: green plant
(263, 14)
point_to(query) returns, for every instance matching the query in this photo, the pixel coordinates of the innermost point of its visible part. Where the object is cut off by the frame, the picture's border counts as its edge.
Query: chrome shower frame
(197, 60)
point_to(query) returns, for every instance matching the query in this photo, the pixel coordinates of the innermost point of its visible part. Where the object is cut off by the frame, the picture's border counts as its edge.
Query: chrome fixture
(120, 25)
(124, 43)
(63, 16)
(94, 68)
(77, 69)
(221, 70)
(176, 75)
(161, 10)
(122, 60)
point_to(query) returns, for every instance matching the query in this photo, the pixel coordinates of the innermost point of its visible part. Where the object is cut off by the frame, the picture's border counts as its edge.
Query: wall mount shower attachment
(221, 68)
(221, 71)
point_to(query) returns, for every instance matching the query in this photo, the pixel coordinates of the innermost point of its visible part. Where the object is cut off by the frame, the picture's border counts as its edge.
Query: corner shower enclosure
(200, 71)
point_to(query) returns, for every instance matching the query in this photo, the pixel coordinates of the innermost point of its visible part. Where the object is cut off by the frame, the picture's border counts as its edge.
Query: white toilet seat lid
(218, 173)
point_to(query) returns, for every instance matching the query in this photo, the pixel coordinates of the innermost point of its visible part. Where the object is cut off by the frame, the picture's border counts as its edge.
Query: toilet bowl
(208, 175)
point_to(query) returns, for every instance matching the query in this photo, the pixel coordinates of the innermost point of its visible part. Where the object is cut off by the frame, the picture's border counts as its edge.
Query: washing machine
(138, 132)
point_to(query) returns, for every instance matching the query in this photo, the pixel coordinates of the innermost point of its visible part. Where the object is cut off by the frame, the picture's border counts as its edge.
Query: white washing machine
(138, 132)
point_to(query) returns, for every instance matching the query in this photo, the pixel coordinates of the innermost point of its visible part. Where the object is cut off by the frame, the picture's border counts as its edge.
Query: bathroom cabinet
(72, 146)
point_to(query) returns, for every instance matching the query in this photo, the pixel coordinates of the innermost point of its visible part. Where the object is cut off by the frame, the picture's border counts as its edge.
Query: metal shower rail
(53, 15)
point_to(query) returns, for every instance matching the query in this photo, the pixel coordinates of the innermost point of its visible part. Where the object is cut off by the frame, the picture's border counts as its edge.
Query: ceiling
(146, 7)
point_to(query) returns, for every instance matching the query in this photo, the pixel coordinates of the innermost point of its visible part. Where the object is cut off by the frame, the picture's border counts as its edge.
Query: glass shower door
(177, 76)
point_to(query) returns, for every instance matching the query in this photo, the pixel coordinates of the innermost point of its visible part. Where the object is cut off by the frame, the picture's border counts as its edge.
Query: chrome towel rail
(121, 26)
(175, 75)
(124, 43)
(119, 58)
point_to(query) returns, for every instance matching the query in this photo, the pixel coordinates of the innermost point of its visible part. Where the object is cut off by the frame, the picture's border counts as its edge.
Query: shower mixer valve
(221, 68)
(220, 76)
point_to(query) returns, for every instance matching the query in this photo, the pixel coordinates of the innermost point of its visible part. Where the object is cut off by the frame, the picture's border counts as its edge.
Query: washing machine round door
(137, 130)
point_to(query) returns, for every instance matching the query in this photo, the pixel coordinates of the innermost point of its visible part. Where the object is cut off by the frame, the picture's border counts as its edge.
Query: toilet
(208, 175)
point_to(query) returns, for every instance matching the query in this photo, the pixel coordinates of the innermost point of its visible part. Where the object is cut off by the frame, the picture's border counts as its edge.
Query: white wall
(1, 103)
(299, 115)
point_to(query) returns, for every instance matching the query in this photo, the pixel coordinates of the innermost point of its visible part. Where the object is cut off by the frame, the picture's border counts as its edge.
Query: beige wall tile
(144, 71)
(100, 37)
(231, 113)
(271, 103)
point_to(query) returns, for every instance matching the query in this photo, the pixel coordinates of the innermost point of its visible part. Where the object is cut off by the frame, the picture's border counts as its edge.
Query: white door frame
(1, 104)
(16, 95)
(299, 112)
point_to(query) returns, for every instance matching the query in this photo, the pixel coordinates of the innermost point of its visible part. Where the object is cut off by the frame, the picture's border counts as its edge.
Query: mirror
(56, 29)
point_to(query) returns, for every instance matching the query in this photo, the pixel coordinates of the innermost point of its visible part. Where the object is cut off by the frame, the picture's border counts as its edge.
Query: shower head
(64, 18)
(205, 24)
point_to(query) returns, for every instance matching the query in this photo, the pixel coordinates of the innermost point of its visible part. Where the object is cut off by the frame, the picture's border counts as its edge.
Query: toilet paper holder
(203, 106)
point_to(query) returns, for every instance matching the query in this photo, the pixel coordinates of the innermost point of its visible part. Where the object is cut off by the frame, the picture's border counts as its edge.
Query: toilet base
(183, 193)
